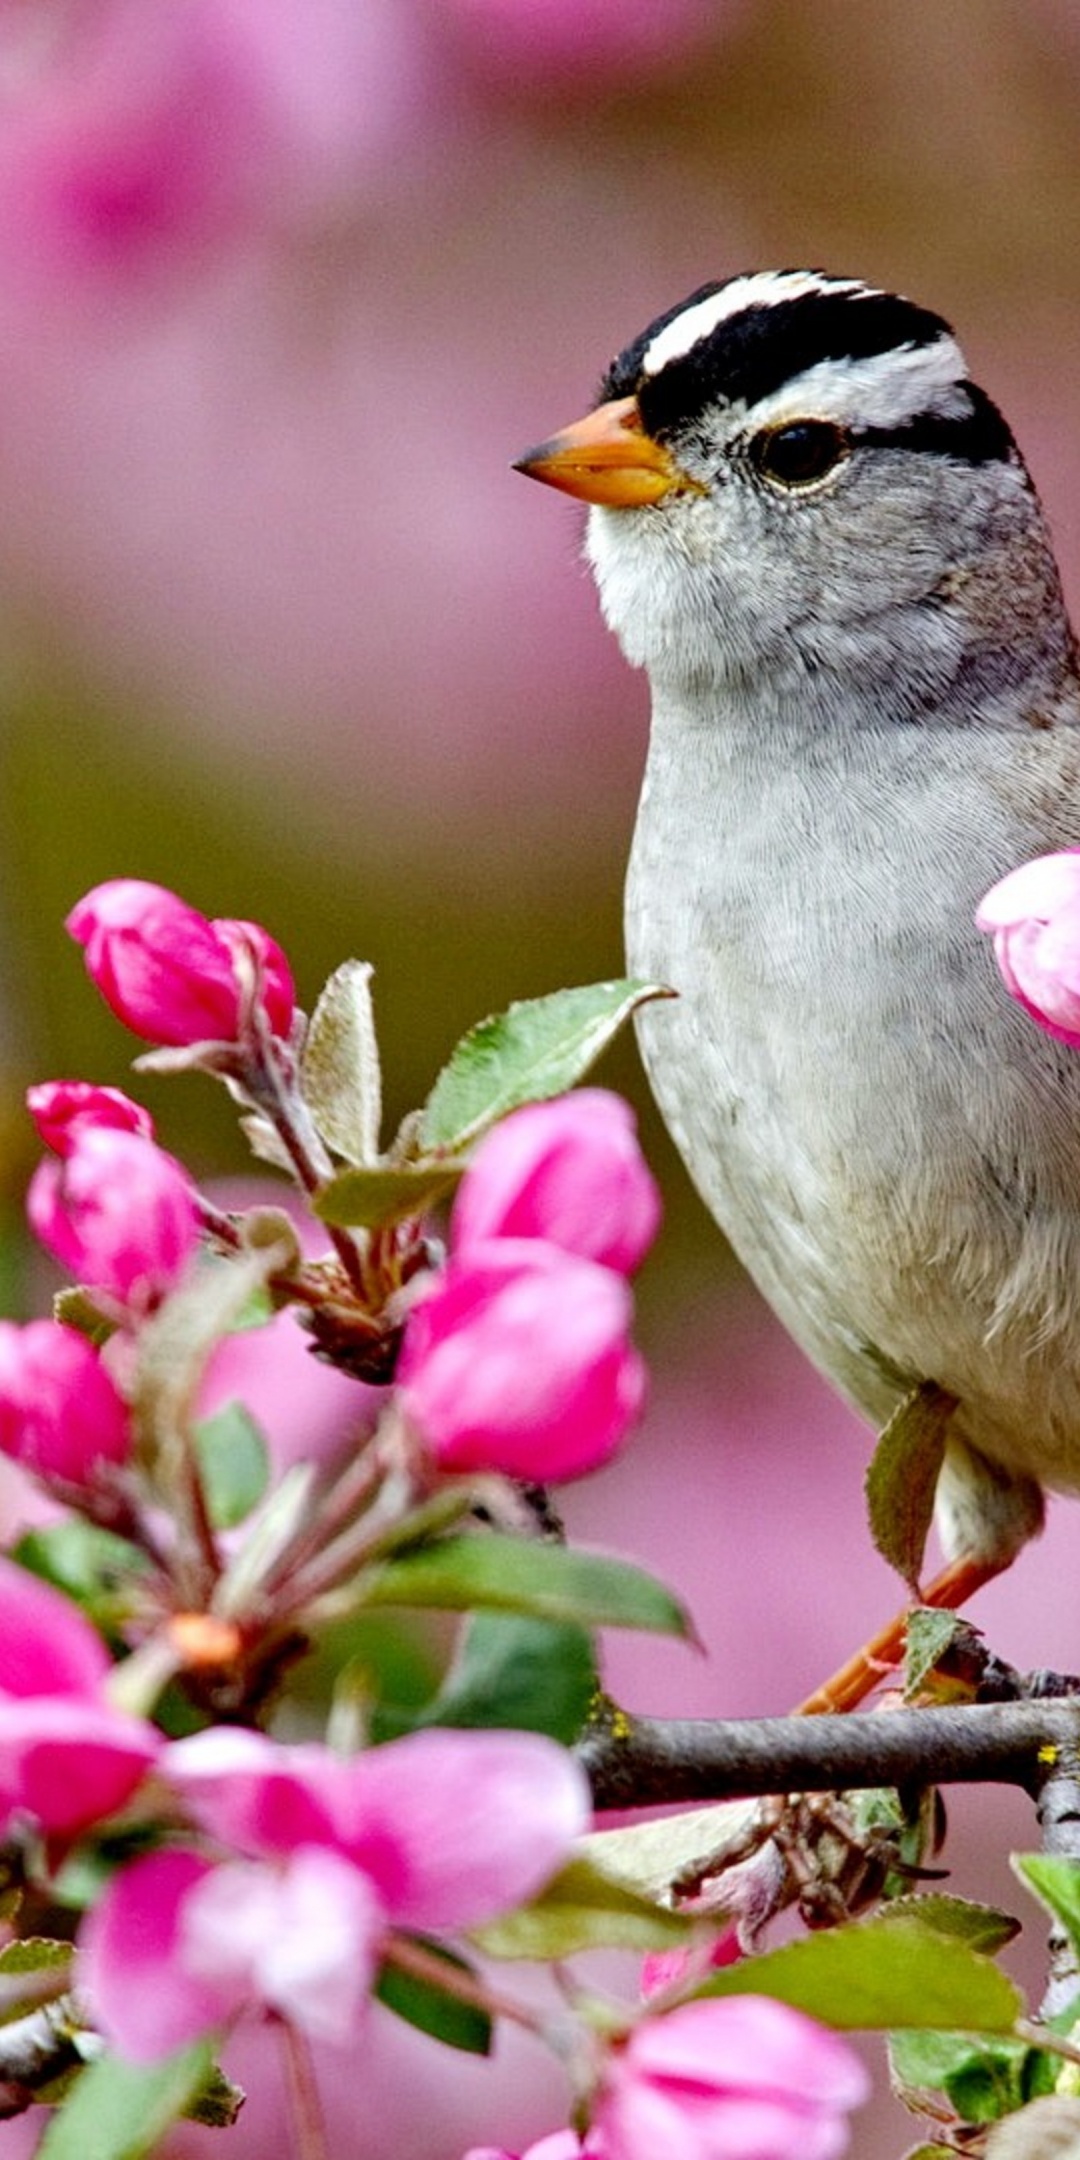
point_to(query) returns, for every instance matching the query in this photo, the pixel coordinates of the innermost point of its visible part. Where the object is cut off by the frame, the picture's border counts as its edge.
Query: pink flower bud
(1033, 916)
(570, 1171)
(740, 2074)
(117, 1212)
(60, 1415)
(171, 974)
(518, 1360)
(67, 1758)
(58, 1106)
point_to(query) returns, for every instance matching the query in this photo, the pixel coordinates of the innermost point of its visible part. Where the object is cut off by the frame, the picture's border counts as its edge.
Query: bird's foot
(853, 1682)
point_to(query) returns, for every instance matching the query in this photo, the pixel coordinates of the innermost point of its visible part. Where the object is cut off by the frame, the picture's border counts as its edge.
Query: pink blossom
(570, 1171)
(57, 1107)
(439, 1830)
(1033, 916)
(171, 974)
(67, 1759)
(117, 1212)
(735, 2078)
(518, 1360)
(60, 1414)
(451, 1827)
(177, 1946)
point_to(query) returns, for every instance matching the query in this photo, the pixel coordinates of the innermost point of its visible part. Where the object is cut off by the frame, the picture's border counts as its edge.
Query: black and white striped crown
(793, 344)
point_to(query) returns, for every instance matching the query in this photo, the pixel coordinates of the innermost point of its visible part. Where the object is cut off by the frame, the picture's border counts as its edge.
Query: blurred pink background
(282, 292)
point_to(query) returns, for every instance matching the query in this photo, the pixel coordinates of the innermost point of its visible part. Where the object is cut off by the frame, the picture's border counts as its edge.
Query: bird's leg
(851, 1684)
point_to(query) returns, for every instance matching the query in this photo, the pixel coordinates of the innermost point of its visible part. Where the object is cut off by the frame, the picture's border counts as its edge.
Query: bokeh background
(283, 289)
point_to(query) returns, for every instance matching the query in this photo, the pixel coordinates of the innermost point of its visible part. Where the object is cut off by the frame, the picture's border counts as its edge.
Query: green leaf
(1056, 1883)
(119, 2110)
(515, 1673)
(648, 1857)
(234, 1462)
(982, 2079)
(369, 1199)
(880, 1974)
(930, 1632)
(34, 1954)
(432, 2009)
(74, 1307)
(96, 1568)
(902, 1478)
(539, 1048)
(982, 1927)
(339, 1069)
(583, 1908)
(506, 1574)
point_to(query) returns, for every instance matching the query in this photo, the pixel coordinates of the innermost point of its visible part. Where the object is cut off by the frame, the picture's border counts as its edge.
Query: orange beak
(608, 458)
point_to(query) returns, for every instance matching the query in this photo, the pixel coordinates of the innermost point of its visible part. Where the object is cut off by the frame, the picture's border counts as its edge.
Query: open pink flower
(724, 2077)
(60, 1414)
(438, 1830)
(1033, 916)
(570, 1171)
(171, 974)
(67, 1759)
(59, 1107)
(178, 1946)
(519, 1360)
(117, 1212)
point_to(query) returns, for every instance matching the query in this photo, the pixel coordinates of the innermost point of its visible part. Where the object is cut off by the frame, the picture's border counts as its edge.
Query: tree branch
(640, 1762)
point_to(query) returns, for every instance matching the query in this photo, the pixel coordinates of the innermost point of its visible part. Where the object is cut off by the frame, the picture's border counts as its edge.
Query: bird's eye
(799, 454)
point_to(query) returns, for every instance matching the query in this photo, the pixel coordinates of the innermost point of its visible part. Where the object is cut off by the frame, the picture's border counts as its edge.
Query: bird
(818, 537)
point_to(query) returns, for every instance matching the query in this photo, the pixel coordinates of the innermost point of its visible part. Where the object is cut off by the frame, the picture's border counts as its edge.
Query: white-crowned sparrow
(819, 538)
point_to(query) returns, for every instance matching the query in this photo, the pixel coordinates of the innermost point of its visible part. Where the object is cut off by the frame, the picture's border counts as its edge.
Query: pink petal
(454, 1827)
(254, 1794)
(749, 2044)
(46, 1646)
(303, 1939)
(1037, 890)
(70, 1763)
(139, 1992)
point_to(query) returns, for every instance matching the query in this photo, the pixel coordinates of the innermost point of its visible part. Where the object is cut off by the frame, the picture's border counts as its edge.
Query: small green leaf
(982, 2079)
(96, 1568)
(880, 1974)
(433, 2009)
(234, 1462)
(648, 1857)
(506, 1574)
(34, 1954)
(340, 1065)
(583, 1908)
(538, 1048)
(930, 1632)
(1056, 1883)
(516, 1673)
(370, 1199)
(902, 1478)
(982, 1927)
(118, 2110)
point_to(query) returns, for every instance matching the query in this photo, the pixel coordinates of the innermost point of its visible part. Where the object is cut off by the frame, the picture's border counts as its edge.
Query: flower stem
(305, 2105)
